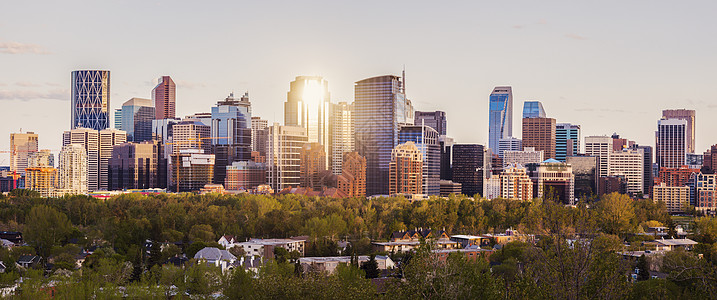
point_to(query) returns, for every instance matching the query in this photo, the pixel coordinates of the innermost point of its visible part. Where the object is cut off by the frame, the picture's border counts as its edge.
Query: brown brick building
(405, 170)
(313, 165)
(539, 133)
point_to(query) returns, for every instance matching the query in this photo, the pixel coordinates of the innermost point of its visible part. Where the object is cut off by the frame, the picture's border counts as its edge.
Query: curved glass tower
(90, 99)
(500, 118)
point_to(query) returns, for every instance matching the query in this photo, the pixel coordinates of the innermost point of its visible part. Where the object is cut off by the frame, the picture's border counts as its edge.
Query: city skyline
(629, 83)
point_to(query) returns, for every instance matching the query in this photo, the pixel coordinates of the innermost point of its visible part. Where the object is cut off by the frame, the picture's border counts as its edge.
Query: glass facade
(567, 140)
(136, 119)
(433, 119)
(426, 139)
(533, 109)
(500, 118)
(468, 167)
(90, 99)
(231, 133)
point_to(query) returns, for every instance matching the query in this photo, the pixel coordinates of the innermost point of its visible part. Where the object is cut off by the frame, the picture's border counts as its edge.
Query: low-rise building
(265, 247)
(329, 264)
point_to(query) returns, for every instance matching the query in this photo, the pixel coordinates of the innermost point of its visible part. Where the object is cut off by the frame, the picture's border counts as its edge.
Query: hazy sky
(610, 66)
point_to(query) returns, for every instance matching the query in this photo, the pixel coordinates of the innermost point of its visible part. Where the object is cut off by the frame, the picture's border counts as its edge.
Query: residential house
(217, 257)
(329, 264)
(265, 247)
(673, 244)
(227, 241)
(29, 261)
(13, 236)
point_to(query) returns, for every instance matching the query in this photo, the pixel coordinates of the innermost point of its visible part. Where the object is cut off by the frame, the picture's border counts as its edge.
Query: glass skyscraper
(567, 140)
(90, 99)
(231, 133)
(380, 109)
(434, 119)
(308, 106)
(500, 118)
(533, 109)
(136, 119)
(426, 139)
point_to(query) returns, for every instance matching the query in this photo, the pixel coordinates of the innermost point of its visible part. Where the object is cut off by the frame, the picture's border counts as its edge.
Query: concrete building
(491, 187)
(258, 134)
(449, 187)
(509, 144)
(433, 119)
(90, 99)
(703, 193)
(539, 133)
(380, 109)
(600, 147)
(73, 166)
(22, 145)
(676, 198)
(671, 143)
(191, 133)
(516, 184)
(164, 97)
(469, 167)
(191, 170)
(676, 176)
(108, 138)
(426, 139)
(40, 174)
(628, 164)
(230, 133)
(90, 141)
(585, 169)
(352, 180)
(312, 165)
(527, 156)
(283, 155)
(500, 115)
(342, 135)
(245, 175)
(137, 116)
(567, 140)
(137, 166)
(647, 177)
(406, 168)
(688, 116)
(556, 181)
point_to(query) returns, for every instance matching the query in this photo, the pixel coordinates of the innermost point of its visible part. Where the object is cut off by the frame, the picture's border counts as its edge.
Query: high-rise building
(703, 192)
(342, 134)
(108, 139)
(533, 109)
(500, 118)
(118, 119)
(709, 162)
(308, 105)
(676, 198)
(516, 184)
(89, 139)
(618, 144)
(676, 176)
(258, 134)
(380, 109)
(191, 170)
(283, 155)
(164, 96)
(22, 145)
(694, 161)
(136, 118)
(90, 99)
(425, 139)
(73, 170)
(611, 184)
(405, 175)
(509, 144)
(600, 147)
(646, 168)
(230, 133)
(689, 116)
(469, 168)
(522, 158)
(40, 174)
(446, 143)
(539, 133)
(671, 143)
(245, 175)
(191, 134)
(628, 164)
(313, 165)
(137, 166)
(585, 169)
(567, 140)
(556, 181)
(352, 180)
(433, 119)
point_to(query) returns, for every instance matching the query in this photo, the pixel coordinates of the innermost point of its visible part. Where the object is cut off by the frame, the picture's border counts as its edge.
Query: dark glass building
(231, 133)
(433, 119)
(585, 169)
(468, 167)
(500, 118)
(426, 139)
(137, 166)
(90, 99)
(137, 116)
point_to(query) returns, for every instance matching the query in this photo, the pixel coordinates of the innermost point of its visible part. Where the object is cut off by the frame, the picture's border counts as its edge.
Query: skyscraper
(313, 165)
(191, 170)
(258, 134)
(137, 166)
(600, 147)
(425, 139)
(689, 116)
(136, 119)
(164, 97)
(231, 133)
(72, 170)
(405, 170)
(40, 174)
(446, 143)
(539, 133)
(90, 99)
(283, 150)
(352, 180)
(191, 134)
(533, 109)
(671, 143)
(380, 108)
(469, 168)
(629, 164)
(342, 135)
(500, 118)
(22, 145)
(308, 105)
(509, 144)
(108, 139)
(567, 140)
(433, 119)
(89, 140)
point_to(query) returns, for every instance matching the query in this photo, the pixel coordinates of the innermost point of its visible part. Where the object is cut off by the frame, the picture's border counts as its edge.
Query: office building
(90, 99)
(516, 184)
(500, 115)
(191, 170)
(449, 187)
(313, 165)
(611, 184)
(647, 177)
(108, 138)
(619, 144)
(136, 119)
(283, 155)
(433, 119)
(245, 175)
(556, 182)
(73, 170)
(600, 147)
(694, 161)
(22, 145)
(676, 198)
(491, 187)
(426, 139)
(446, 143)
(230, 133)
(342, 134)
(509, 144)
(539, 133)
(40, 174)
(191, 133)
(137, 166)
(406, 170)
(204, 118)
(164, 97)
(671, 143)
(703, 192)
(118, 119)
(522, 158)
(628, 164)
(567, 140)
(469, 168)
(162, 131)
(352, 180)
(676, 176)
(380, 109)
(258, 134)
(308, 105)
(90, 141)
(585, 169)
(688, 116)
(709, 162)
(533, 109)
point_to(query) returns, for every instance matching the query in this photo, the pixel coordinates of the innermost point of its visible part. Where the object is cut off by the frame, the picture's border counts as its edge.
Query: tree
(371, 268)
(643, 268)
(615, 211)
(46, 227)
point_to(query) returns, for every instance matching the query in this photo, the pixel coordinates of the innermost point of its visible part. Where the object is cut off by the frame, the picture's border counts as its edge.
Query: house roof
(28, 259)
(676, 242)
(211, 253)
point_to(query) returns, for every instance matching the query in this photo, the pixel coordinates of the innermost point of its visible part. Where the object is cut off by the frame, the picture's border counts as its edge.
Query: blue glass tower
(500, 118)
(136, 119)
(90, 99)
(567, 140)
(533, 109)
(231, 133)
(426, 139)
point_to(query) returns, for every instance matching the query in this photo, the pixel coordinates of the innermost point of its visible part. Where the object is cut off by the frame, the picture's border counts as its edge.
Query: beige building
(676, 198)
(526, 156)
(191, 133)
(40, 174)
(21, 146)
(191, 169)
(283, 155)
(405, 170)
(556, 181)
(516, 184)
(539, 133)
(72, 170)
(600, 147)
(628, 164)
(108, 139)
(313, 165)
(89, 139)
(342, 134)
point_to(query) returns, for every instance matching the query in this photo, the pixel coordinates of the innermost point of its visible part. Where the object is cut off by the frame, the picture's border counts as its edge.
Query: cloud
(27, 84)
(29, 95)
(20, 48)
(542, 22)
(575, 37)
(189, 84)
(518, 26)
